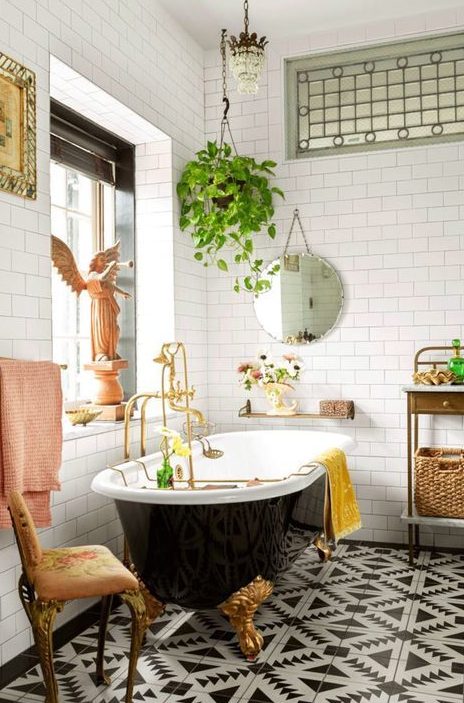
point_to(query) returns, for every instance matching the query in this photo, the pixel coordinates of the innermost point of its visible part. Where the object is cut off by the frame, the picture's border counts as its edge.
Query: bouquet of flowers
(264, 370)
(170, 444)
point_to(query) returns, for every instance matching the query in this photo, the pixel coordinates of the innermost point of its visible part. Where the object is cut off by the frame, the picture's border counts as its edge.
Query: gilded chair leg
(240, 608)
(154, 607)
(43, 615)
(323, 549)
(26, 595)
(136, 603)
(100, 662)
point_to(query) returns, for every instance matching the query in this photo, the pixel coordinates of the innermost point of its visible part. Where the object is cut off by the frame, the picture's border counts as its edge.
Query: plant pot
(274, 395)
(224, 201)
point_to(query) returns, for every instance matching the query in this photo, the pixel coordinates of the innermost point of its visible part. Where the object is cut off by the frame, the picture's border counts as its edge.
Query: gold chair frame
(42, 614)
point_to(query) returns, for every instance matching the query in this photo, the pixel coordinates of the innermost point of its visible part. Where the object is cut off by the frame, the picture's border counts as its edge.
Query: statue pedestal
(108, 390)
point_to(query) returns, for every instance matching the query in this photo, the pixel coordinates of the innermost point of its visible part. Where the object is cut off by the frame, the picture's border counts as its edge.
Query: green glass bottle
(165, 475)
(456, 363)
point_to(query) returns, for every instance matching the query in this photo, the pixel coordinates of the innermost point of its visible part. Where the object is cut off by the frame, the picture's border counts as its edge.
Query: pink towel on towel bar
(30, 435)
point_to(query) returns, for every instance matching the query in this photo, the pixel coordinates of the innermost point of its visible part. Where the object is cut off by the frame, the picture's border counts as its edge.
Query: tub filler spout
(175, 394)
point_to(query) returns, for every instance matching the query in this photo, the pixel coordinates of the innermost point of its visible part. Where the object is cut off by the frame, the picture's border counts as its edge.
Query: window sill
(96, 428)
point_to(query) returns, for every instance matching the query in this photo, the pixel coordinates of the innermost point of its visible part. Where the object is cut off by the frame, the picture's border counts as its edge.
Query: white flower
(264, 356)
(294, 367)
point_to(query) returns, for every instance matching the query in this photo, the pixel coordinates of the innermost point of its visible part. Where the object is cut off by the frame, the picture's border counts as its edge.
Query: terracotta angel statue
(100, 284)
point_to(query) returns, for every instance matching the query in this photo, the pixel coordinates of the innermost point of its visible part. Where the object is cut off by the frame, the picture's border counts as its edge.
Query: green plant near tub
(170, 445)
(226, 200)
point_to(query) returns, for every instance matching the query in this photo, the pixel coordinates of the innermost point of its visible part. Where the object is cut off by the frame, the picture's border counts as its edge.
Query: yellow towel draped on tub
(341, 511)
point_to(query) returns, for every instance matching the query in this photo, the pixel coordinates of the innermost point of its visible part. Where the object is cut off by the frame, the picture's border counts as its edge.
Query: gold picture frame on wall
(18, 171)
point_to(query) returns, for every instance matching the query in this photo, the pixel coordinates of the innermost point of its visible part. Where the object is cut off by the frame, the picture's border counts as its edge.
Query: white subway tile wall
(135, 52)
(390, 222)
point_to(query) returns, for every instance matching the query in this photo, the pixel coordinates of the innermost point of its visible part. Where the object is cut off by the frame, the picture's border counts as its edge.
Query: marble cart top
(420, 388)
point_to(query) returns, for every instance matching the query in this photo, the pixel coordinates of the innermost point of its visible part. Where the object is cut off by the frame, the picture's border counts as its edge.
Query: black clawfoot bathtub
(197, 547)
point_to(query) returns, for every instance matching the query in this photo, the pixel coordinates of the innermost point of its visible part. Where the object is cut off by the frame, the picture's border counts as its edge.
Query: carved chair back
(29, 546)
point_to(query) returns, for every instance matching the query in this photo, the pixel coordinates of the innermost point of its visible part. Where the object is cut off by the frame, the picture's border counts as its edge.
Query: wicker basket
(439, 484)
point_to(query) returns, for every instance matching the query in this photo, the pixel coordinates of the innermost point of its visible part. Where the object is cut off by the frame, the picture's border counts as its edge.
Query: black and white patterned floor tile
(223, 679)
(437, 618)
(161, 694)
(421, 698)
(419, 676)
(363, 628)
(441, 582)
(75, 686)
(368, 643)
(186, 640)
(337, 691)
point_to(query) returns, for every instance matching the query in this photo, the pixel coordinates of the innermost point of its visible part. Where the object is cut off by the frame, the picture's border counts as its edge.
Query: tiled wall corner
(390, 222)
(156, 69)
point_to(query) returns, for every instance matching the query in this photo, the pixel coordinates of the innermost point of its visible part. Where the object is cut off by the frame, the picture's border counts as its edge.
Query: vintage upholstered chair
(52, 576)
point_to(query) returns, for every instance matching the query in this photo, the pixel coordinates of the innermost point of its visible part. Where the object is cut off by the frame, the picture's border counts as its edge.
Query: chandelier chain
(245, 7)
(224, 69)
(225, 120)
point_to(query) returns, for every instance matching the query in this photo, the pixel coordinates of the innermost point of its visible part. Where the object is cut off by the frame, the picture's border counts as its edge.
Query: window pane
(75, 220)
(58, 184)
(108, 215)
(58, 222)
(81, 239)
(79, 190)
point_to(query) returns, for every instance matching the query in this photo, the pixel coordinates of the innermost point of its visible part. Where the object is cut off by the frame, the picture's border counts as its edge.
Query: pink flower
(256, 374)
(244, 366)
(71, 559)
(290, 357)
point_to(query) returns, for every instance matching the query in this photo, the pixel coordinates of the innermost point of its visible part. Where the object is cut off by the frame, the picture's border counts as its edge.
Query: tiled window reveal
(400, 94)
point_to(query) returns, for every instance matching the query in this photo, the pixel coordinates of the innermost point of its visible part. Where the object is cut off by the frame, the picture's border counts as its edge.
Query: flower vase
(165, 475)
(274, 395)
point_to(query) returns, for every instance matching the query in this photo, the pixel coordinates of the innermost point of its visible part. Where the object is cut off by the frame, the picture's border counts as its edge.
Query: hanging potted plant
(227, 199)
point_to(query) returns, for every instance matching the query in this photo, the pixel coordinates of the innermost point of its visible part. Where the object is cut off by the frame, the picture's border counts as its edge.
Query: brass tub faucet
(176, 393)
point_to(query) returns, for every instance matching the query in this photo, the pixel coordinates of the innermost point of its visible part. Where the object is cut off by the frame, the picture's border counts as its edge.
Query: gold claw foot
(153, 606)
(323, 549)
(240, 608)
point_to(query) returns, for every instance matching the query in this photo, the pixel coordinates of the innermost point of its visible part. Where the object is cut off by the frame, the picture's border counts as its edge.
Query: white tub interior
(271, 455)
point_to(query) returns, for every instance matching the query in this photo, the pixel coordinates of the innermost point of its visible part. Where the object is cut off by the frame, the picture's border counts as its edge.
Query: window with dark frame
(92, 189)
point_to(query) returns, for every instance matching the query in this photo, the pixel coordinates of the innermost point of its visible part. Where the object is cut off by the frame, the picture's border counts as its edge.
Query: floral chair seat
(80, 572)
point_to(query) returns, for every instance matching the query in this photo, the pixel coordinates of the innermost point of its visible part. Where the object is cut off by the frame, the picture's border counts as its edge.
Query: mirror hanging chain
(296, 219)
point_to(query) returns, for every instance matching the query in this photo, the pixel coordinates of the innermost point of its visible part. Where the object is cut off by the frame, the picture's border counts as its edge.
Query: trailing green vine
(226, 200)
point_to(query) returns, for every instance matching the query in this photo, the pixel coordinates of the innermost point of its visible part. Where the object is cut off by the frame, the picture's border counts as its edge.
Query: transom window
(390, 95)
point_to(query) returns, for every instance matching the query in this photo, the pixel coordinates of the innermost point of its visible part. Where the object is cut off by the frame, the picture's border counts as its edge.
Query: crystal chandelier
(247, 58)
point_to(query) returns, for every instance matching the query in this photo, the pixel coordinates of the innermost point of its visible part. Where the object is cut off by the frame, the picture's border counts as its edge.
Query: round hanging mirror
(304, 302)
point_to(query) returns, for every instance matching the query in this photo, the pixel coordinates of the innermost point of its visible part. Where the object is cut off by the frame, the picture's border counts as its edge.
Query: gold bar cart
(427, 400)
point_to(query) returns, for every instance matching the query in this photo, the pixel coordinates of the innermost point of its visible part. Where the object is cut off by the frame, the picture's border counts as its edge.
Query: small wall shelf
(246, 411)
